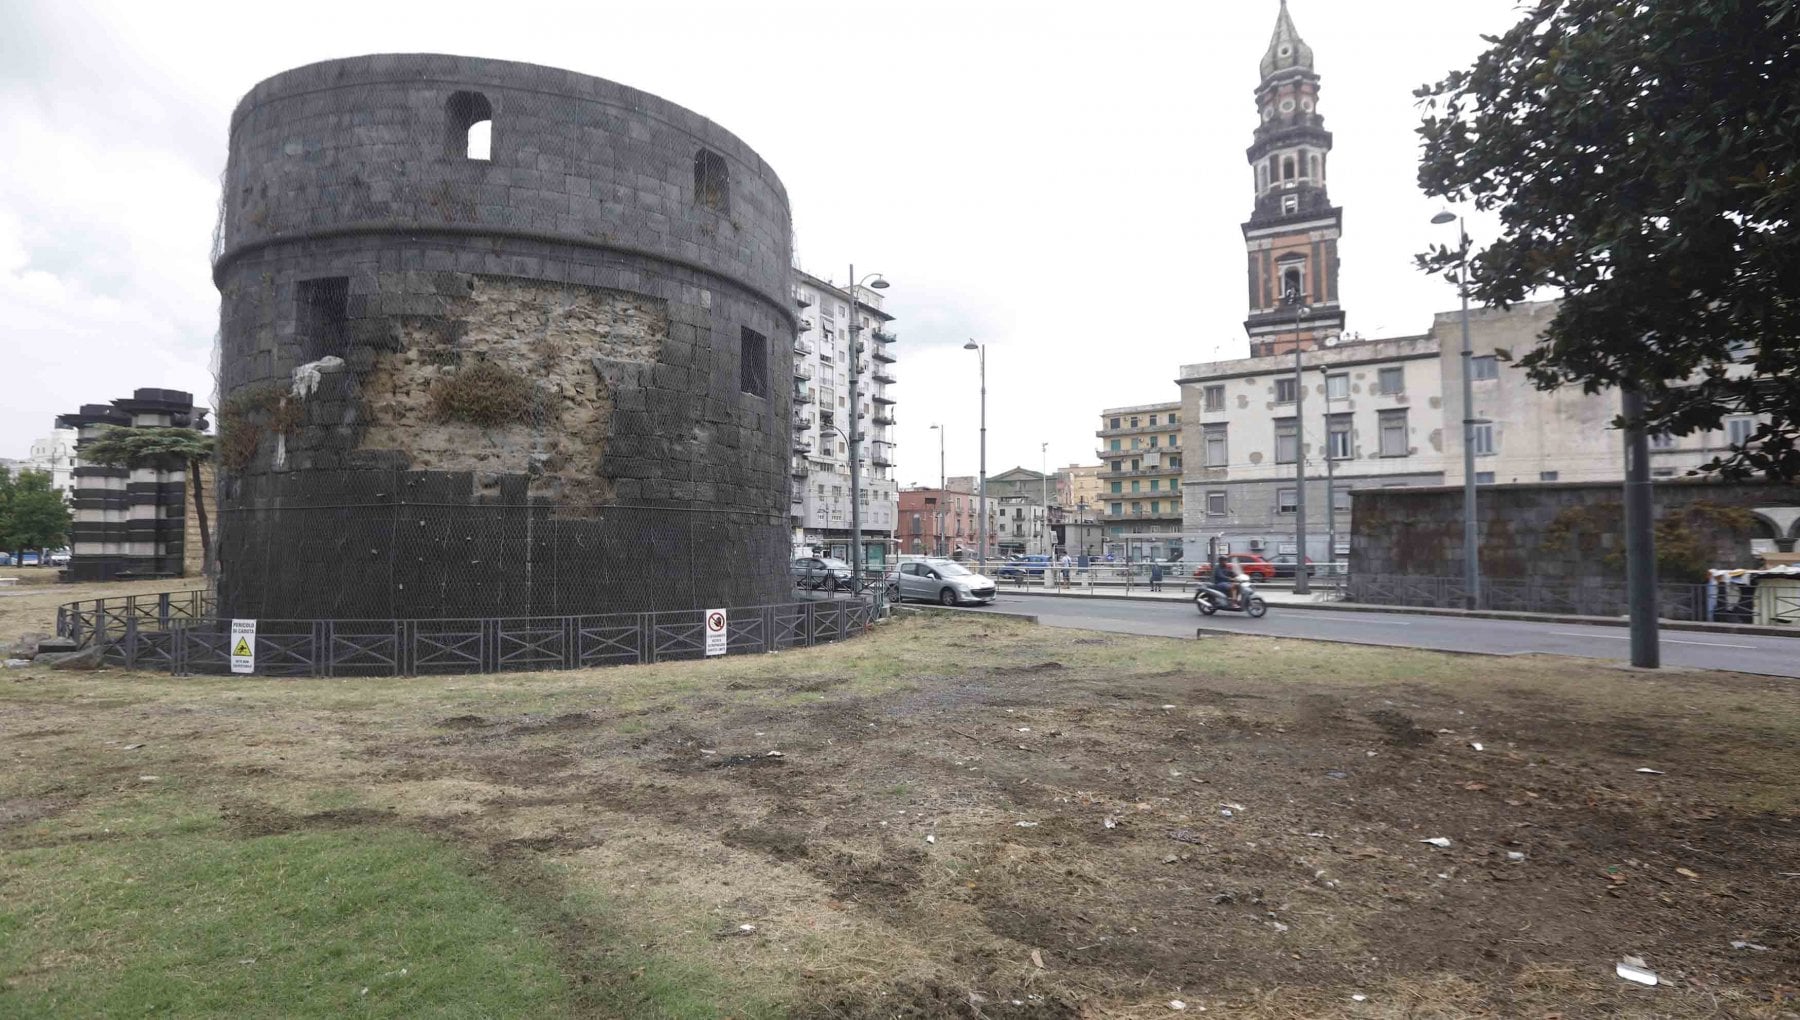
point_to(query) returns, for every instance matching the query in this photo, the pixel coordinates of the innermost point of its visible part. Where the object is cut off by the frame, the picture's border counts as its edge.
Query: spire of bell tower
(1292, 234)
(1286, 48)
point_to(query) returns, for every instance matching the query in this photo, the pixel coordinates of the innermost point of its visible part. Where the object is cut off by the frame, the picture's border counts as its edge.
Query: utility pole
(1044, 477)
(943, 496)
(1640, 534)
(1330, 483)
(1301, 585)
(981, 505)
(1471, 535)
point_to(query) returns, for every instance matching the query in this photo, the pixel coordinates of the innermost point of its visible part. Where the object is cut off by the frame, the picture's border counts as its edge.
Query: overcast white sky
(1064, 181)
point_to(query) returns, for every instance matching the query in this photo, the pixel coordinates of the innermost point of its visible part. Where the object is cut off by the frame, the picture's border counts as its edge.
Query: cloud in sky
(1062, 181)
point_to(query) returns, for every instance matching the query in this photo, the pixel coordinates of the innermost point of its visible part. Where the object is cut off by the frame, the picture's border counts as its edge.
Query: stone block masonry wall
(514, 385)
(1417, 532)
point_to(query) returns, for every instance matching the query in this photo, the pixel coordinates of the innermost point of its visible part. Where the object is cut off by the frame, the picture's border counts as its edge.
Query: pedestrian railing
(1575, 597)
(203, 644)
(104, 619)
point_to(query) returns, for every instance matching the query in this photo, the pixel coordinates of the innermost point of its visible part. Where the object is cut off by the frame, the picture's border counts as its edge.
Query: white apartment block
(1384, 413)
(55, 455)
(823, 419)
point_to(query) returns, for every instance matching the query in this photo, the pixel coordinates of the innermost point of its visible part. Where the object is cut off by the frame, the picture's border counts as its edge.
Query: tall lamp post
(1471, 551)
(1301, 584)
(1044, 477)
(856, 549)
(981, 498)
(942, 495)
(1330, 480)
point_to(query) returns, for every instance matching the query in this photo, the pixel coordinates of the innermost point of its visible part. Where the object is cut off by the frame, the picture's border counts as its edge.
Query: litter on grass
(1441, 842)
(1633, 968)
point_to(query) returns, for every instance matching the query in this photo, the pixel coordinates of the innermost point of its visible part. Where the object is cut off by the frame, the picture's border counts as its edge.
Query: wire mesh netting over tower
(497, 339)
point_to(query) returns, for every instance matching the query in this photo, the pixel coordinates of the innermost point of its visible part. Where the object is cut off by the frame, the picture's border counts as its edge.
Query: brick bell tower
(1292, 236)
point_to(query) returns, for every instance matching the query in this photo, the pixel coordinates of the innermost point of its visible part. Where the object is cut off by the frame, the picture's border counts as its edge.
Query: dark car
(818, 573)
(1284, 565)
(1024, 566)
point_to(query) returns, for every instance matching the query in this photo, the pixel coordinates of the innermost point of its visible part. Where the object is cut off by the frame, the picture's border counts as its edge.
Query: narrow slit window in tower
(1287, 168)
(469, 126)
(1315, 168)
(712, 182)
(753, 362)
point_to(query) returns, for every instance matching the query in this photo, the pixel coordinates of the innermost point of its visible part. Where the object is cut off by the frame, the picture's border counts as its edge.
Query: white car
(945, 582)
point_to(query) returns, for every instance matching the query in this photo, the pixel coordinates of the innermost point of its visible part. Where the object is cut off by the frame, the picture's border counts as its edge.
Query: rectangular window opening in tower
(321, 316)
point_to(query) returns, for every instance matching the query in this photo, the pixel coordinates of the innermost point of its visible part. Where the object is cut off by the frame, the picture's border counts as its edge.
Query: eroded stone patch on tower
(553, 339)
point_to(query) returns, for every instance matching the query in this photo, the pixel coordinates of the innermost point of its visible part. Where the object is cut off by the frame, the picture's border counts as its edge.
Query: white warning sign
(715, 632)
(243, 646)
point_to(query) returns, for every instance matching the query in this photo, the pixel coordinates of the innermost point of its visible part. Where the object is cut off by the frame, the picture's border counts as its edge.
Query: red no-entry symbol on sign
(715, 622)
(716, 642)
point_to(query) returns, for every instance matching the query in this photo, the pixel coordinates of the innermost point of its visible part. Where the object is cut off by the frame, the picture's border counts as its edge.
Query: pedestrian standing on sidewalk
(1156, 575)
(1066, 565)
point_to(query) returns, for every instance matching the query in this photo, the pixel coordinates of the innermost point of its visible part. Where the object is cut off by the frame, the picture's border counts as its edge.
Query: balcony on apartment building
(803, 444)
(882, 336)
(881, 454)
(1142, 453)
(1146, 514)
(799, 469)
(1136, 430)
(883, 355)
(804, 395)
(883, 374)
(1146, 471)
(803, 422)
(803, 348)
(882, 398)
(802, 300)
(803, 370)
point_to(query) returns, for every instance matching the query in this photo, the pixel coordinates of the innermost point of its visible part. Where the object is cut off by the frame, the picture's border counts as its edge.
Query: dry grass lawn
(961, 816)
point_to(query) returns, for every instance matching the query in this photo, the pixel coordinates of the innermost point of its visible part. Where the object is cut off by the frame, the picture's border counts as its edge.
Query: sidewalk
(1330, 600)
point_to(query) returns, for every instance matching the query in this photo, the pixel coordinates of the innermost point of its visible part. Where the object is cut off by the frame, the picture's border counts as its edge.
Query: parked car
(820, 572)
(945, 582)
(28, 559)
(59, 558)
(1284, 565)
(1254, 567)
(6, 559)
(1024, 566)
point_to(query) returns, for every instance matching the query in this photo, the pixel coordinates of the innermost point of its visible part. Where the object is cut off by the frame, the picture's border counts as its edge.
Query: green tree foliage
(32, 514)
(148, 446)
(1644, 159)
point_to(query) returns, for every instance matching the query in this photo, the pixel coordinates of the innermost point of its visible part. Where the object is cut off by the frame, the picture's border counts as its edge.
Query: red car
(1253, 566)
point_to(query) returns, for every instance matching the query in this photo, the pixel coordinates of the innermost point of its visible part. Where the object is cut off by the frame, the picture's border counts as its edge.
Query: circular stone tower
(497, 340)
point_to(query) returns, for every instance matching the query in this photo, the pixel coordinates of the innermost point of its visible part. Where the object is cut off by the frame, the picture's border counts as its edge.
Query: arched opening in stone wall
(712, 181)
(470, 133)
(1287, 168)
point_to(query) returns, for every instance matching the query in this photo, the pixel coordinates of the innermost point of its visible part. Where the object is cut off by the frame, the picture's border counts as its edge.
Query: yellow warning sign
(241, 648)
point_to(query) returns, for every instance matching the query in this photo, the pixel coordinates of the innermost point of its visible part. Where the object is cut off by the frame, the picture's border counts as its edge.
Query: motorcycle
(1209, 599)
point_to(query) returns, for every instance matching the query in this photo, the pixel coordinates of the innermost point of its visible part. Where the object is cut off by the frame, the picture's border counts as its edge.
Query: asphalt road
(1770, 656)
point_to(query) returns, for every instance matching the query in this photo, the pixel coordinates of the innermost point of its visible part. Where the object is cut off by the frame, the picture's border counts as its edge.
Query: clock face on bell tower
(1291, 238)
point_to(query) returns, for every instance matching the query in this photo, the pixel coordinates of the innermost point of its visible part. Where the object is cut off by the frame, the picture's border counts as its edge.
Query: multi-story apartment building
(1140, 480)
(1373, 409)
(1078, 489)
(938, 522)
(831, 321)
(1387, 413)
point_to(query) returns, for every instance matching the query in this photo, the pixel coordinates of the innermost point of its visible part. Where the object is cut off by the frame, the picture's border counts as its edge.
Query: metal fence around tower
(174, 633)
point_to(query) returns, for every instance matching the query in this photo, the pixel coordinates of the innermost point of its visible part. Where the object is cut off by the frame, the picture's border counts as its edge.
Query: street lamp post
(1044, 478)
(942, 495)
(981, 499)
(1301, 585)
(856, 549)
(1471, 550)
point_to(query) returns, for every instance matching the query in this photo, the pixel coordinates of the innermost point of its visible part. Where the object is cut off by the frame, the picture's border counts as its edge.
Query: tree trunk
(206, 548)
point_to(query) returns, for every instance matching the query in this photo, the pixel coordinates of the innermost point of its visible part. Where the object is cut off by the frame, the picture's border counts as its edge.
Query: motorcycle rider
(1224, 578)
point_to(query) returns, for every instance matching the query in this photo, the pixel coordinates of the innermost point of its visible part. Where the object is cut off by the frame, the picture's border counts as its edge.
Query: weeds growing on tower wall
(250, 414)
(484, 394)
